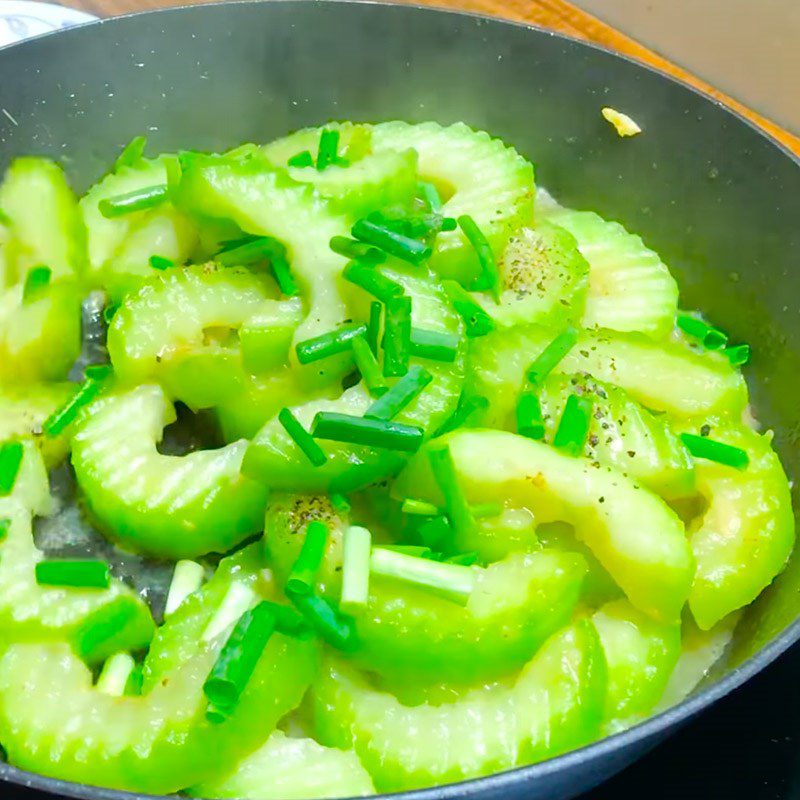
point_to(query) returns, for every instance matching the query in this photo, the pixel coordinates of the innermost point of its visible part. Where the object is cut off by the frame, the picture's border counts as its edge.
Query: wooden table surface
(558, 15)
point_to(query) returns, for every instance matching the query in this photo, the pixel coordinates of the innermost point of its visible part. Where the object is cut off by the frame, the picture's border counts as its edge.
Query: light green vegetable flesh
(578, 589)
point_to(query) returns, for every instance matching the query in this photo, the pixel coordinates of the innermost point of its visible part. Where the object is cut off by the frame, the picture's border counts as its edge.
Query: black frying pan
(715, 196)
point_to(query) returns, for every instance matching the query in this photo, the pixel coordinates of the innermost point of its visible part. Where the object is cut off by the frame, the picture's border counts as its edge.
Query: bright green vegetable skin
(577, 580)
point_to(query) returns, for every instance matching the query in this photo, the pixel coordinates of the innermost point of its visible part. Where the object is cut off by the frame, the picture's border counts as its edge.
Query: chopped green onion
(115, 674)
(529, 416)
(174, 170)
(288, 620)
(36, 281)
(303, 574)
(489, 279)
(5, 527)
(412, 506)
(282, 272)
(103, 626)
(340, 503)
(482, 510)
(574, 425)
(10, 460)
(451, 580)
(369, 367)
(302, 438)
(738, 355)
(400, 395)
(161, 263)
(711, 338)
(397, 336)
(302, 159)
(369, 432)
(109, 311)
(355, 568)
(253, 249)
(421, 226)
(477, 321)
(328, 152)
(97, 372)
(82, 396)
(435, 345)
(552, 355)
(393, 243)
(350, 248)
(239, 598)
(186, 579)
(374, 327)
(367, 276)
(436, 531)
(131, 153)
(455, 503)
(712, 450)
(237, 660)
(137, 200)
(80, 574)
(467, 406)
(465, 559)
(337, 630)
(430, 194)
(416, 550)
(330, 343)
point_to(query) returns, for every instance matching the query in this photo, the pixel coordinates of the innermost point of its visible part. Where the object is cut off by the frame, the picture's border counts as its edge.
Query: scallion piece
(161, 263)
(239, 598)
(114, 676)
(96, 635)
(529, 416)
(10, 460)
(368, 366)
(416, 550)
(330, 343)
(353, 249)
(421, 507)
(400, 395)
(131, 153)
(282, 272)
(477, 321)
(337, 630)
(455, 503)
(303, 574)
(340, 503)
(430, 194)
(186, 579)
(393, 243)
(397, 336)
(237, 660)
(466, 408)
(738, 355)
(465, 559)
(97, 372)
(574, 425)
(371, 280)
(82, 396)
(79, 574)
(137, 200)
(328, 152)
(711, 338)
(435, 345)
(436, 531)
(552, 355)
(374, 327)
(36, 281)
(302, 438)
(174, 170)
(450, 580)
(355, 568)
(302, 159)
(5, 527)
(288, 620)
(109, 311)
(369, 432)
(712, 450)
(489, 279)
